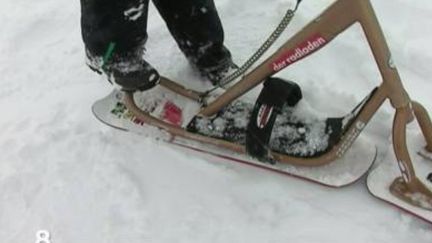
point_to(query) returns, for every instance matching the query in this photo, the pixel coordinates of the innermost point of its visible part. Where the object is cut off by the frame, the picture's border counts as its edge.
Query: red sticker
(172, 114)
(264, 114)
(304, 49)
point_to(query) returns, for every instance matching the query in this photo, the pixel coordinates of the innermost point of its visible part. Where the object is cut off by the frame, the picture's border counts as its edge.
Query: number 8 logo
(43, 236)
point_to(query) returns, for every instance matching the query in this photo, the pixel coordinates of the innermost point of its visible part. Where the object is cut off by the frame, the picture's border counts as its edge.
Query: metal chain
(258, 54)
(264, 47)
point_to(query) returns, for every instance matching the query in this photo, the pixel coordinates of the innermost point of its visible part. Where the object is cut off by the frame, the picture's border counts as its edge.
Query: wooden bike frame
(322, 30)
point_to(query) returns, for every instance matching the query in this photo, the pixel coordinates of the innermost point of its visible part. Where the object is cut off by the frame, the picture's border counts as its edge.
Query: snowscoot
(272, 136)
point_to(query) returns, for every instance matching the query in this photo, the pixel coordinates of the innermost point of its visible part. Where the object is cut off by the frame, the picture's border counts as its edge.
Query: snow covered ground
(64, 172)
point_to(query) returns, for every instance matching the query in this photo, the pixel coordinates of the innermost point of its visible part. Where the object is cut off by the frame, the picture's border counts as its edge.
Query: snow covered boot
(215, 63)
(135, 76)
(129, 71)
(217, 74)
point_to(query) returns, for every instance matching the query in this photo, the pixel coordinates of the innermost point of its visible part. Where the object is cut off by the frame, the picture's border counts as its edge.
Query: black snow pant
(194, 24)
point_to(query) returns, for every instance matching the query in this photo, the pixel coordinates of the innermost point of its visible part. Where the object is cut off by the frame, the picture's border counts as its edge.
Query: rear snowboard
(111, 111)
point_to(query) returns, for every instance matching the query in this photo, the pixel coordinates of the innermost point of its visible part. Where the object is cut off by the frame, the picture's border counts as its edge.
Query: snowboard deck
(112, 112)
(381, 177)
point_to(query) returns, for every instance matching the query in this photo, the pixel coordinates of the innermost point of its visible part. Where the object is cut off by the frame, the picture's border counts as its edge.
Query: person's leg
(198, 31)
(114, 33)
(112, 21)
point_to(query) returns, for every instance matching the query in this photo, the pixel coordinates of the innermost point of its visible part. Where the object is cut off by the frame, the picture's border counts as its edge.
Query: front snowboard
(380, 179)
(111, 111)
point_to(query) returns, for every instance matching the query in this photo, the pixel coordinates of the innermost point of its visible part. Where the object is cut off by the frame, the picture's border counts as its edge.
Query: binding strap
(275, 94)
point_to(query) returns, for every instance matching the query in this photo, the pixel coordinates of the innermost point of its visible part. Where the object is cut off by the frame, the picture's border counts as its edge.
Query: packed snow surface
(64, 172)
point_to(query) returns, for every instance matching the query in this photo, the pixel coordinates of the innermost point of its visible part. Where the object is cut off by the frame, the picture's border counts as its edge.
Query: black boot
(129, 71)
(216, 64)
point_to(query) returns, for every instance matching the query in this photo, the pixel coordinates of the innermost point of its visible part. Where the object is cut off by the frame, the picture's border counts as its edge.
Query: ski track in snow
(63, 171)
